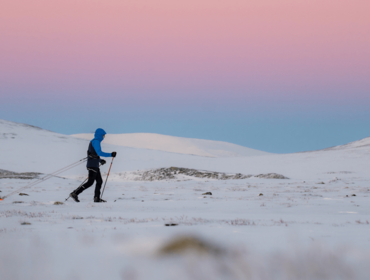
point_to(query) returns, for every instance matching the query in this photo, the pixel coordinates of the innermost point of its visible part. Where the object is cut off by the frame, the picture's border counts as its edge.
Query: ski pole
(107, 178)
(79, 186)
(46, 177)
(54, 174)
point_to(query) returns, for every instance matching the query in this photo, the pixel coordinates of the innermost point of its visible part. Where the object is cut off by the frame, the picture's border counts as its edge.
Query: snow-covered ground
(314, 225)
(181, 145)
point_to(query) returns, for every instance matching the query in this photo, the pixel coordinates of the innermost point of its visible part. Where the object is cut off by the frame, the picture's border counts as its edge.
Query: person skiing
(94, 153)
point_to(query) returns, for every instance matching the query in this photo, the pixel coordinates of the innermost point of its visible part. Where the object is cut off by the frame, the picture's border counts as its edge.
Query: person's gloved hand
(114, 154)
(102, 162)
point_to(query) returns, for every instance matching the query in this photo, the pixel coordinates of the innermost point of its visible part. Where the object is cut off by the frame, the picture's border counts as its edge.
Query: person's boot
(98, 199)
(75, 193)
(74, 196)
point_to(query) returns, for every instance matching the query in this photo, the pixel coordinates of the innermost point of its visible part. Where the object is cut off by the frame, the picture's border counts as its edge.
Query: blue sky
(274, 128)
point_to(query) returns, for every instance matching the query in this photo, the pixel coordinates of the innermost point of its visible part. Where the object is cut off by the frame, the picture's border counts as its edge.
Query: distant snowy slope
(179, 145)
(356, 144)
(28, 148)
(25, 148)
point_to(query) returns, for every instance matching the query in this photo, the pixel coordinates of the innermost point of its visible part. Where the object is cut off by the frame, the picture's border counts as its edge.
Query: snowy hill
(28, 148)
(179, 145)
(363, 143)
(25, 148)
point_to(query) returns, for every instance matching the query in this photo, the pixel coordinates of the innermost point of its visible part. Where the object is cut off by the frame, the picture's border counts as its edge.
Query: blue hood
(99, 133)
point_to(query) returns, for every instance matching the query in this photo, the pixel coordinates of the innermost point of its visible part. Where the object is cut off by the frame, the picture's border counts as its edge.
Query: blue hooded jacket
(94, 151)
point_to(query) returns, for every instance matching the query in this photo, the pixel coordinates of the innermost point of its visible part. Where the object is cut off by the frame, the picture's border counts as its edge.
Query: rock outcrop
(178, 173)
(5, 174)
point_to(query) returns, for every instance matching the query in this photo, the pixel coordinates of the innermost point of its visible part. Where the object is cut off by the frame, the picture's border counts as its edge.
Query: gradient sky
(280, 76)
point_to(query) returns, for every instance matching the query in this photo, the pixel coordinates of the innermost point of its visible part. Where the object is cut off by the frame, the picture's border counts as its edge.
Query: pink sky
(161, 44)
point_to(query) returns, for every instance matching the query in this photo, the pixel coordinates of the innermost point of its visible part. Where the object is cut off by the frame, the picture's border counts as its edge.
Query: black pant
(94, 175)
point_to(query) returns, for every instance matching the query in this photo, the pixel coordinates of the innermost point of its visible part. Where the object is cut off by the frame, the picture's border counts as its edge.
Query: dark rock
(25, 224)
(207, 193)
(271, 176)
(353, 195)
(18, 201)
(58, 203)
(171, 225)
(23, 194)
(188, 244)
(261, 194)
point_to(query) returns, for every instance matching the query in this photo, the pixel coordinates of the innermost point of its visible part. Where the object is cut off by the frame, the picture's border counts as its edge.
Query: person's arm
(96, 145)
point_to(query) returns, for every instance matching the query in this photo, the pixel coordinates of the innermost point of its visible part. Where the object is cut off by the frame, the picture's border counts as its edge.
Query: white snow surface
(309, 226)
(174, 144)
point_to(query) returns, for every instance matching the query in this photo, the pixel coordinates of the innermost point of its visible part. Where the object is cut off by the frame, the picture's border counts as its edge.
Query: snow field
(292, 218)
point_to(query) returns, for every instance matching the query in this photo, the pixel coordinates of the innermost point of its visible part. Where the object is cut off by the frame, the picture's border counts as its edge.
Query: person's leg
(92, 176)
(89, 183)
(99, 182)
